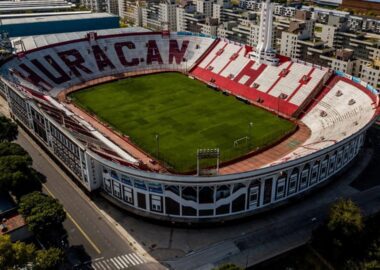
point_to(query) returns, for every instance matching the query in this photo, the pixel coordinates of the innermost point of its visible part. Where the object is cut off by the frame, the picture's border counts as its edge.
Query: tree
(17, 175)
(228, 266)
(13, 149)
(6, 253)
(15, 255)
(42, 213)
(23, 253)
(16, 172)
(19, 255)
(48, 259)
(373, 256)
(344, 226)
(345, 218)
(8, 130)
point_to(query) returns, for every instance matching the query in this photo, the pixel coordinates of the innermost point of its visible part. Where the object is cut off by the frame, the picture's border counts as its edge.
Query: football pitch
(170, 116)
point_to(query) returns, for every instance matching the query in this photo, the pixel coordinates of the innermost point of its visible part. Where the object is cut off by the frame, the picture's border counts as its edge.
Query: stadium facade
(335, 108)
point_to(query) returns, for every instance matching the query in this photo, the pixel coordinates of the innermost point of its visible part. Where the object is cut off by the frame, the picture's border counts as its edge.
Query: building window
(304, 178)
(206, 195)
(156, 202)
(253, 197)
(339, 159)
(107, 185)
(323, 170)
(280, 190)
(141, 200)
(239, 203)
(345, 154)
(189, 194)
(332, 164)
(116, 189)
(188, 211)
(314, 174)
(173, 189)
(222, 192)
(172, 206)
(292, 183)
(128, 195)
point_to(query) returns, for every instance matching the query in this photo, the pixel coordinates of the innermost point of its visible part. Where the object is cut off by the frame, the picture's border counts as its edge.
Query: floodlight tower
(264, 52)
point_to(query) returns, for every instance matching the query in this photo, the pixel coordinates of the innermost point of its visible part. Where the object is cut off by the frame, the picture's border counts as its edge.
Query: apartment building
(342, 60)
(284, 11)
(210, 27)
(151, 15)
(154, 14)
(188, 19)
(96, 5)
(131, 12)
(168, 16)
(204, 7)
(254, 5)
(225, 30)
(300, 28)
(341, 43)
(357, 53)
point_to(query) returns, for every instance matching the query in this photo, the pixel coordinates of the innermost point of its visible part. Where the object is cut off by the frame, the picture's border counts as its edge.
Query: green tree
(8, 129)
(344, 226)
(16, 172)
(13, 149)
(17, 175)
(228, 266)
(23, 253)
(345, 218)
(48, 259)
(15, 255)
(42, 213)
(373, 256)
(6, 253)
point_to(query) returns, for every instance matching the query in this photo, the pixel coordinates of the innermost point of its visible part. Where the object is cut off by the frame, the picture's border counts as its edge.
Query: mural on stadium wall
(77, 63)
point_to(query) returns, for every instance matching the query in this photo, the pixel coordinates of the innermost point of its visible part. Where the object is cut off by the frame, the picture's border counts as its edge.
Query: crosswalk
(116, 263)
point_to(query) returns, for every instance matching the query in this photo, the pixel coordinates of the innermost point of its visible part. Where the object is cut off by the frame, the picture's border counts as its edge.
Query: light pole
(250, 133)
(158, 145)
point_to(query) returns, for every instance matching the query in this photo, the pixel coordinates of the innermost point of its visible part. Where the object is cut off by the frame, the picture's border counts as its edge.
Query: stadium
(184, 127)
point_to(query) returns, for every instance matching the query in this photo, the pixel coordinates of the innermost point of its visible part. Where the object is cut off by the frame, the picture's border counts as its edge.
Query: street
(94, 242)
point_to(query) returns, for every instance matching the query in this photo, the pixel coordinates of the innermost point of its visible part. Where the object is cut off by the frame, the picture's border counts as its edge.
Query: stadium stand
(342, 110)
(231, 70)
(66, 63)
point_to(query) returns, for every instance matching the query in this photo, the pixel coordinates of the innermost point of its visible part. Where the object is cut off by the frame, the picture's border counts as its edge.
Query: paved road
(102, 247)
(95, 239)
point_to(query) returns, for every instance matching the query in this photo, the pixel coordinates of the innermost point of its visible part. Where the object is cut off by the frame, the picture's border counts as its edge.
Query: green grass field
(185, 113)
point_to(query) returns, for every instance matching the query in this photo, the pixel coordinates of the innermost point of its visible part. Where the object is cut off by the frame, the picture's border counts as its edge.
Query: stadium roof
(9, 6)
(55, 18)
(32, 42)
(40, 14)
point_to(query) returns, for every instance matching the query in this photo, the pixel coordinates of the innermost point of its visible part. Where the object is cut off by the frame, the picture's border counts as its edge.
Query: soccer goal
(241, 142)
